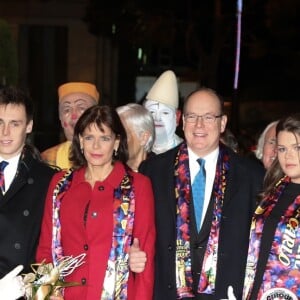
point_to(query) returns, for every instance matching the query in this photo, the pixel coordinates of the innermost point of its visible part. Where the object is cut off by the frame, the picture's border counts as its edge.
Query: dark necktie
(198, 188)
(3, 165)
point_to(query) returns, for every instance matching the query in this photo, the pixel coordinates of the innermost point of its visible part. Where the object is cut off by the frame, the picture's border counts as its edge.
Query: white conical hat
(165, 90)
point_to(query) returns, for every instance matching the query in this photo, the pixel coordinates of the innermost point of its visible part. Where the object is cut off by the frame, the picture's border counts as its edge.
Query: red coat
(95, 236)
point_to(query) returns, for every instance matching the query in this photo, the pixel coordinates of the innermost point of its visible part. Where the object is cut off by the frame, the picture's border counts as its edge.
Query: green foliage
(8, 56)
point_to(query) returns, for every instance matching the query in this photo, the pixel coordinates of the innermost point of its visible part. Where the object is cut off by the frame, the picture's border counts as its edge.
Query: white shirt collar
(12, 160)
(11, 170)
(210, 162)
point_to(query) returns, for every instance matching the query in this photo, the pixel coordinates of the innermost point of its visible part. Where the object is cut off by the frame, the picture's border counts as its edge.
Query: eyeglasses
(206, 119)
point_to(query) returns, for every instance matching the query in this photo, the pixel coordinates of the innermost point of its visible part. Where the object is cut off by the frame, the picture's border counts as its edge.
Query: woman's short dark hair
(99, 115)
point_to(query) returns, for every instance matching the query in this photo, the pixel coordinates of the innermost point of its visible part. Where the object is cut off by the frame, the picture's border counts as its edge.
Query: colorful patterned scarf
(59, 191)
(184, 279)
(282, 269)
(117, 272)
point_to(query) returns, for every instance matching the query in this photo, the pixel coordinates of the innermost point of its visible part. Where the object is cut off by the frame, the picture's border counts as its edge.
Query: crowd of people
(156, 216)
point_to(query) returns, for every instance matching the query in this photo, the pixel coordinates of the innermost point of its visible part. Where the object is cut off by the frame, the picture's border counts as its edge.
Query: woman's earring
(115, 154)
(81, 149)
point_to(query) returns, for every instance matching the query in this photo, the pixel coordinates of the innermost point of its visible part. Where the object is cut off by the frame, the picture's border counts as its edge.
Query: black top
(286, 199)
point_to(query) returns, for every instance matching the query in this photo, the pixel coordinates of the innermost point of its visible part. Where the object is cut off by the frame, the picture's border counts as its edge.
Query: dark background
(196, 39)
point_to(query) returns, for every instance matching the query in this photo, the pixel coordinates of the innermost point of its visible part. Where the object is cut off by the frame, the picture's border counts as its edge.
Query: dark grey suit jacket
(21, 212)
(244, 183)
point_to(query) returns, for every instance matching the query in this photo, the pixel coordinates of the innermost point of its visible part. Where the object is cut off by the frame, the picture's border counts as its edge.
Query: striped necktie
(3, 165)
(198, 189)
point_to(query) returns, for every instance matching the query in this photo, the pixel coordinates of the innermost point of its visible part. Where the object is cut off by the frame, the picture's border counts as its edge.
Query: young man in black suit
(25, 182)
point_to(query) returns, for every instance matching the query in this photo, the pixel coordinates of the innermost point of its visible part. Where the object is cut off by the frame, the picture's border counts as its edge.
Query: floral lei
(117, 272)
(184, 279)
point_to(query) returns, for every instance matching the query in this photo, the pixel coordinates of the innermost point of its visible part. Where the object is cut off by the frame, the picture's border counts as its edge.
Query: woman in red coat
(98, 208)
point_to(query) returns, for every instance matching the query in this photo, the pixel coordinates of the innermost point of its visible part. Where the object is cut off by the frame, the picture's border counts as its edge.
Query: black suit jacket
(244, 183)
(21, 211)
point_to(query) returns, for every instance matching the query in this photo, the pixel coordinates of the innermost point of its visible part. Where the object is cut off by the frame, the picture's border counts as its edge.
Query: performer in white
(162, 102)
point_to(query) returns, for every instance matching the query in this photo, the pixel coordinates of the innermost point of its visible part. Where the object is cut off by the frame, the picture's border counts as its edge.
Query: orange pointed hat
(165, 89)
(78, 87)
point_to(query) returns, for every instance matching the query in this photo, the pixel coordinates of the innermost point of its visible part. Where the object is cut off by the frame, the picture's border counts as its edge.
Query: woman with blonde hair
(266, 145)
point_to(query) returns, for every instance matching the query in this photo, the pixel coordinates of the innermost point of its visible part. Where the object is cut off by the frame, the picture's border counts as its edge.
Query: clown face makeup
(71, 107)
(164, 120)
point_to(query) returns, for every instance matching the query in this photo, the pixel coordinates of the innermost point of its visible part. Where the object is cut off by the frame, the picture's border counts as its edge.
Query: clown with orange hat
(74, 98)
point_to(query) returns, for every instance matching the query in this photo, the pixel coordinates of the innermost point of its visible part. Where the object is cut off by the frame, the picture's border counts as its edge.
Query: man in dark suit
(24, 185)
(201, 262)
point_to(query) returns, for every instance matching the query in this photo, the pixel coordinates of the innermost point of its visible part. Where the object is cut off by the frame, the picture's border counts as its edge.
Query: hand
(11, 285)
(137, 257)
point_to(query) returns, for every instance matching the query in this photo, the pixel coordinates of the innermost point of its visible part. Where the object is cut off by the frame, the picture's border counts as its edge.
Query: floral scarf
(117, 272)
(282, 269)
(184, 279)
